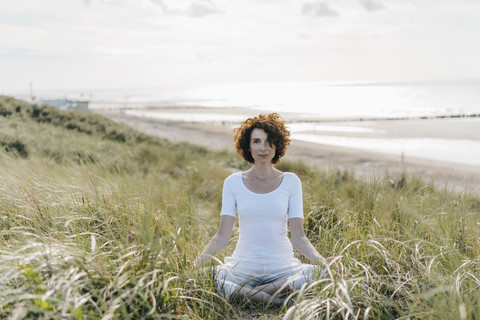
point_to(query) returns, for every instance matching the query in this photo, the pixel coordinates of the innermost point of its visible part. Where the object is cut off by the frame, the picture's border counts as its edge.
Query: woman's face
(260, 147)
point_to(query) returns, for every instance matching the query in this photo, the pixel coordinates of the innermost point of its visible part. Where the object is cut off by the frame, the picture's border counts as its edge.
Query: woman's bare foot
(277, 301)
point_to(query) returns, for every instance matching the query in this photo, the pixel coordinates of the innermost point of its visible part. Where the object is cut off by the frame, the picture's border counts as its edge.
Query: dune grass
(99, 221)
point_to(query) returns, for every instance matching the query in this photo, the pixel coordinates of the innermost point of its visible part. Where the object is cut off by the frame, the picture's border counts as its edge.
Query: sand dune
(365, 164)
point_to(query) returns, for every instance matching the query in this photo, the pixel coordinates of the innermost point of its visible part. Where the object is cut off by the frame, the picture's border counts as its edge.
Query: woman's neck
(262, 171)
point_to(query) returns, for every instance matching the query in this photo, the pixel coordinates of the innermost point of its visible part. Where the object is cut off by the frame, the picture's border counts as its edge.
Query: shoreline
(362, 163)
(243, 111)
(183, 108)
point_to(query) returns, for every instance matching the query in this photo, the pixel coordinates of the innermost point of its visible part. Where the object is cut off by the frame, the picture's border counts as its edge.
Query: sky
(84, 44)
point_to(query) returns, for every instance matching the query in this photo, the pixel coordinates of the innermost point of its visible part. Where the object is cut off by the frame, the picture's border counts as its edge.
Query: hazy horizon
(100, 44)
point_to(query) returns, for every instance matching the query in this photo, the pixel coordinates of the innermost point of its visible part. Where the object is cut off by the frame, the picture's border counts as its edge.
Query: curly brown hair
(273, 124)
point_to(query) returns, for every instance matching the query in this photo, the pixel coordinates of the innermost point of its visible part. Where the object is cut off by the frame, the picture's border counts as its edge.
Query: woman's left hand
(328, 261)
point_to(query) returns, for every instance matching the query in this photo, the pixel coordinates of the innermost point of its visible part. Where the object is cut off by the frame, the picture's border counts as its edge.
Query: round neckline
(279, 186)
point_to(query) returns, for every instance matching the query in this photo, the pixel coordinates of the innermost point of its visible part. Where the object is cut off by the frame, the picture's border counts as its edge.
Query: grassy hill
(99, 221)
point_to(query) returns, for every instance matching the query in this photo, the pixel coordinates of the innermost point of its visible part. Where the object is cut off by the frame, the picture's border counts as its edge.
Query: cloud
(318, 9)
(371, 5)
(89, 2)
(108, 2)
(201, 9)
(203, 57)
(160, 4)
(194, 9)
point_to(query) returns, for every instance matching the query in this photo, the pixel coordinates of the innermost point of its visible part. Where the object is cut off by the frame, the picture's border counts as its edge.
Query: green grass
(99, 221)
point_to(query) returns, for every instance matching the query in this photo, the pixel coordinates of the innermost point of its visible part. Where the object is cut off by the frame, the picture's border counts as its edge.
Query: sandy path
(366, 164)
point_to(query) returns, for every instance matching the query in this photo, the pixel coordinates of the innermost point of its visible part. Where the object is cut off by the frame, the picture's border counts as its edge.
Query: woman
(263, 264)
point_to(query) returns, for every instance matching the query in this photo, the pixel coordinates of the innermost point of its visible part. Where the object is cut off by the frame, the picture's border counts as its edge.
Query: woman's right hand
(218, 242)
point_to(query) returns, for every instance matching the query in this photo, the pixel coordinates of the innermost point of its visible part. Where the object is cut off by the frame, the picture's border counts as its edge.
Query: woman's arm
(218, 241)
(302, 244)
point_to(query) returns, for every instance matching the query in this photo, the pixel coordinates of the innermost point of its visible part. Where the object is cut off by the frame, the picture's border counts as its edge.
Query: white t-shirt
(263, 217)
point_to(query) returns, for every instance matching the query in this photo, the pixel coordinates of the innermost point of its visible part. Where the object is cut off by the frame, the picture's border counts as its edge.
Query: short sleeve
(229, 204)
(295, 202)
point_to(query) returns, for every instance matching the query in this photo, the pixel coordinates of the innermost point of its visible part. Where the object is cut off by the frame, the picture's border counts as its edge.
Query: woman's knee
(307, 274)
(226, 288)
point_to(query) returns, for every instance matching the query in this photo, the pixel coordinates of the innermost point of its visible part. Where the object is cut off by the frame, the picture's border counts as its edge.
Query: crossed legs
(266, 292)
(262, 281)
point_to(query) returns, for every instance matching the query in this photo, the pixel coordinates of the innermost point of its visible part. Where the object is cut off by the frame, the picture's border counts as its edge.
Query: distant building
(67, 104)
(78, 105)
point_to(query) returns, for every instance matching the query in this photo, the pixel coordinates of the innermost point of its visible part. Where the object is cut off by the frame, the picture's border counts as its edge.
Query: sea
(338, 114)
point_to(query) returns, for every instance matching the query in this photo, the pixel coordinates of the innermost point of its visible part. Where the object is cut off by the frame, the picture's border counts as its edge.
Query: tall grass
(95, 225)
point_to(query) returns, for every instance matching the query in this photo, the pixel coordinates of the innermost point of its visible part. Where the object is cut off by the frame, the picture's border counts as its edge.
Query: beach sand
(363, 164)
